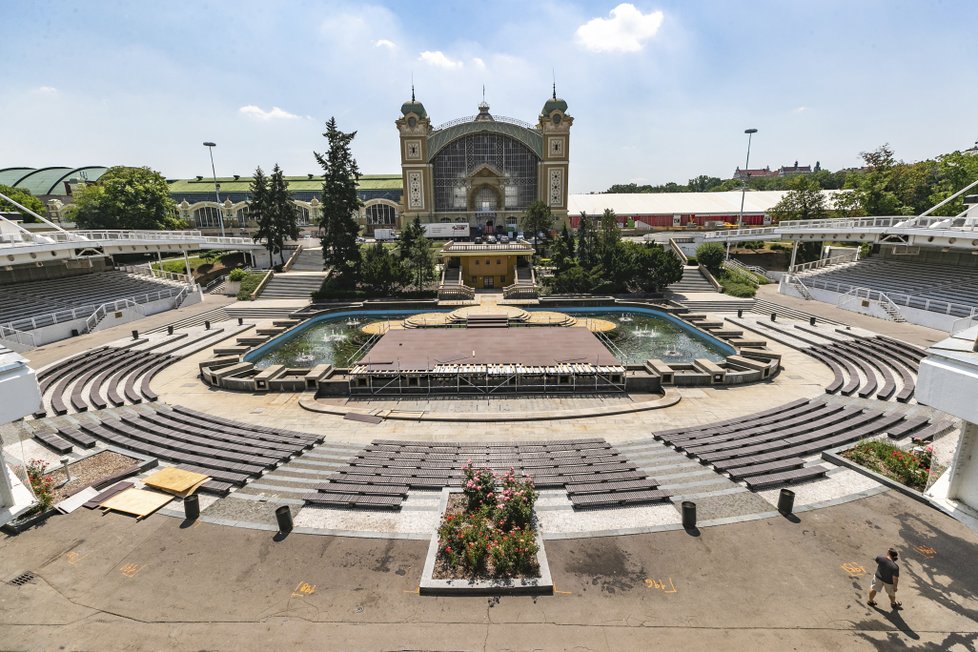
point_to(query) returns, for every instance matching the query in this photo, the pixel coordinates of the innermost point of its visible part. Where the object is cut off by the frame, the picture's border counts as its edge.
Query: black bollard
(774, 316)
(689, 514)
(811, 321)
(284, 516)
(240, 321)
(786, 501)
(740, 313)
(191, 507)
(207, 325)
(169, 330)
(135, 335)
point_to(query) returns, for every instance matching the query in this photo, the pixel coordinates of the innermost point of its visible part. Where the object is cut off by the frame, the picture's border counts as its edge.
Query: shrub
(41, 484)
(237, 275)
(911, 468)
(692, 260)
(711, 255)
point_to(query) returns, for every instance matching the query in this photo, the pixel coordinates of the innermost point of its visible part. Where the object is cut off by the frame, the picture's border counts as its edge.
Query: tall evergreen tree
(338, 226)
(568, 240)
(284, 213)
(258, 211)
(416, 252)
(586, 245)
(537, 219)
(608, 238)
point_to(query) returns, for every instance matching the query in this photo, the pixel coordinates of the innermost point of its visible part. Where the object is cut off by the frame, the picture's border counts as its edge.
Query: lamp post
(217, 189)
(743, 190)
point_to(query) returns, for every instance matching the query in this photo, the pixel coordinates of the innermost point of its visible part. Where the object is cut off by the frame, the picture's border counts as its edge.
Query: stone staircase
(732, 304)
(293, 285)
(309, 260)
(692, 281)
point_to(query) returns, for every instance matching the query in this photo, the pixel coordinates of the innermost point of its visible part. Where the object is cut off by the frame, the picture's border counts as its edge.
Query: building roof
(205, 185)
(678, 203)
(451, 132)
(48, 181)
(472, 249)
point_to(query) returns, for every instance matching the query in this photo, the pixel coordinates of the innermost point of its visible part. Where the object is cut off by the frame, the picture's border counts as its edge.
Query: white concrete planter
(542, 585)
(231, 288)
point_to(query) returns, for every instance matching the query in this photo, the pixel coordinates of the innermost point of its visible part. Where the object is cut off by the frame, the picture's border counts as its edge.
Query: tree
(875, 185)
(562, 251)
(127, 198)
(586, 242)
(285, 214)
(804, 202)
(848, 204)
(341, 205)
(703, 183)
(537, 219)
(417, 255)
(258, 211)
(653, 267)
(574, 280)
(608, 237)
(711, 255)
(383, 273)
(24, 198)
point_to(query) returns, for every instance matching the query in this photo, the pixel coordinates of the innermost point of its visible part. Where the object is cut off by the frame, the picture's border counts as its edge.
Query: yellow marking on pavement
(72, 557)
(303, 589)
(926, 551)
(416, 589)
(131, 570)
(556, 592)
(853, 569)
(666, 587)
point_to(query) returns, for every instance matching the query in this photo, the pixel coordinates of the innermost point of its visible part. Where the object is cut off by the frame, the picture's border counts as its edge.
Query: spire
(483, 93)
(553, 74)
(412, 87)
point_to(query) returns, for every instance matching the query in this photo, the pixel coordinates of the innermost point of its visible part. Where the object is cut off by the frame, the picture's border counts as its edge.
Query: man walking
(887, 577)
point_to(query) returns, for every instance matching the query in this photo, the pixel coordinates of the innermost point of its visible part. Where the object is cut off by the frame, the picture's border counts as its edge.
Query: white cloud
(385, 43)
(478, 63)
(626, 30)
(799, 109)
(257, 113)
(438, 59)
(45, 90)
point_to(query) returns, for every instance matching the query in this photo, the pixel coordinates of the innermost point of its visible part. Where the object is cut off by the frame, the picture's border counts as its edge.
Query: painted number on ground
(926, 551)
(303, 589)
(853, 569)
(666, 586)
(130, 570)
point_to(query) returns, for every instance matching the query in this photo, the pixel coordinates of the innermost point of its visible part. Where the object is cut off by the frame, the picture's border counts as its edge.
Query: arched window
(461, 158)
(207, 217)
(486, 200)
(302, 214)
(381, 214)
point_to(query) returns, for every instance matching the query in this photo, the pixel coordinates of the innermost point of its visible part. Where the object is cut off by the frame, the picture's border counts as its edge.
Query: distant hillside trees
(127, 198)
(24, 198)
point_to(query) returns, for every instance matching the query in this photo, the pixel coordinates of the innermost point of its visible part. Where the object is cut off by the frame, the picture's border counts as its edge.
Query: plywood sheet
(138, 502)
(176, 481)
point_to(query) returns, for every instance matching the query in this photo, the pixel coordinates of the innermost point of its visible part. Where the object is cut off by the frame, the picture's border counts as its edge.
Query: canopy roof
(205, 185)
(48, 181)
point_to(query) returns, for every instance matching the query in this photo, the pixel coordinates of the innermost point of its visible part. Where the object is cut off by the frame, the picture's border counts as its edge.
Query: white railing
(963, 323)
(113, 306)
(23, 338)
(496, 118)
(742, 234)
(152, 272)
(678, 251)
(755, 269)
(797, 283)
(820, 263)
(899, 299)
(866, 294)
(118, 234)
(214, 283)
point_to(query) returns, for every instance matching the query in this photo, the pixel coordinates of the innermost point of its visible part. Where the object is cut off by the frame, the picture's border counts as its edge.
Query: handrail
(678, 251)
(120, 304)
(954, 329)
(820, 263)
(150, 271)
(261, 286)
(11, 334)
(799, 285)
(291, 261)
(900, 299)
(214, 282)
(79, 312)
(869, 294)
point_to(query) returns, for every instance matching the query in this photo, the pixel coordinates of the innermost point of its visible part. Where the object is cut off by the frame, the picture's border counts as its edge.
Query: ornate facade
(484, 170)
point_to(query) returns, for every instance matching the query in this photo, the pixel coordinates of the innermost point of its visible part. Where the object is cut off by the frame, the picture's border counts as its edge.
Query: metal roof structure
(48, 181)
(309, 183)
(512, 128)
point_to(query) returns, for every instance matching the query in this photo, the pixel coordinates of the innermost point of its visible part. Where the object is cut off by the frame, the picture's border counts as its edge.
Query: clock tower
(555, 124)
(414, 127)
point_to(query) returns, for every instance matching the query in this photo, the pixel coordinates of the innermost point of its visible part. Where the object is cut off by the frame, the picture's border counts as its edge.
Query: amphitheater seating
(30, 304)
(768, 448)
(231, 453)
(929, 286)
(592, 473)
(116, 375)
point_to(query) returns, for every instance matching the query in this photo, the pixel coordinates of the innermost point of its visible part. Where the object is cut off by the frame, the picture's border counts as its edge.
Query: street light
(743, 191)
(217, 189)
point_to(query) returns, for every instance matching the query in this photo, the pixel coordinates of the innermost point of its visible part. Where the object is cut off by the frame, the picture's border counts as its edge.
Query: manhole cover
(358, 610)
(27, 577)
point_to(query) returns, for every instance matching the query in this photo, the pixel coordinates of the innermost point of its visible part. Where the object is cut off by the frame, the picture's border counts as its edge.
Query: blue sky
(660, 91)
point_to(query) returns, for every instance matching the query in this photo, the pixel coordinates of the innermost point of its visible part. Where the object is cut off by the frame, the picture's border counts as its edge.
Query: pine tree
(586, 245)
(568, 239)
(258, 210)
(284, 214)
(341, 205)
(418, 256)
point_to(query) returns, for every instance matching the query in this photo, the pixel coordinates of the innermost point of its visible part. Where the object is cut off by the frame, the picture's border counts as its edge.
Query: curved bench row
(231, 453)
(768, 448)
(593, 474)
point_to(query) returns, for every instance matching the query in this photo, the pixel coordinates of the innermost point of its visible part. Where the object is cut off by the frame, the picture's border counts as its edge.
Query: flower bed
(487, 541)
(911, 468)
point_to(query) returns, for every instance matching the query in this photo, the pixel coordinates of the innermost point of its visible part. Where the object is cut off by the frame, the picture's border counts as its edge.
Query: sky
(659, 91)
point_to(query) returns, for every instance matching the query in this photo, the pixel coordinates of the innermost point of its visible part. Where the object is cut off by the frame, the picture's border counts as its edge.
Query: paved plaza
(626, 578)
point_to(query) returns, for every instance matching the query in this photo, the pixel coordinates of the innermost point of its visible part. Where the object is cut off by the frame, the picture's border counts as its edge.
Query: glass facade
(454, 165)
(381, 214)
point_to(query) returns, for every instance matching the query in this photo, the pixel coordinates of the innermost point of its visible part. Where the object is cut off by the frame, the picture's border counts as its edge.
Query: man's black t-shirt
(886, 569)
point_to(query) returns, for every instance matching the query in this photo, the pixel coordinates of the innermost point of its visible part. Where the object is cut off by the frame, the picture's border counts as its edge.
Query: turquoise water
(641, 335)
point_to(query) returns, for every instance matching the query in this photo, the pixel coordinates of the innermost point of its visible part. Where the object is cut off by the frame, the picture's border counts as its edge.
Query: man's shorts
(879, 585)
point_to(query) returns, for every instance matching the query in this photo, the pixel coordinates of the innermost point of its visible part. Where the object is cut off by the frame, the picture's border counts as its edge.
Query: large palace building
(484, 169)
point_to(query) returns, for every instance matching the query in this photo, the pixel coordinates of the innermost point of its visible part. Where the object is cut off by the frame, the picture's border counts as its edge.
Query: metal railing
(496, 118)
(900, 299)
(119, 234)
(152, 272)
(23, 338)
(820, 263)
(104, 309)
(866, 294)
